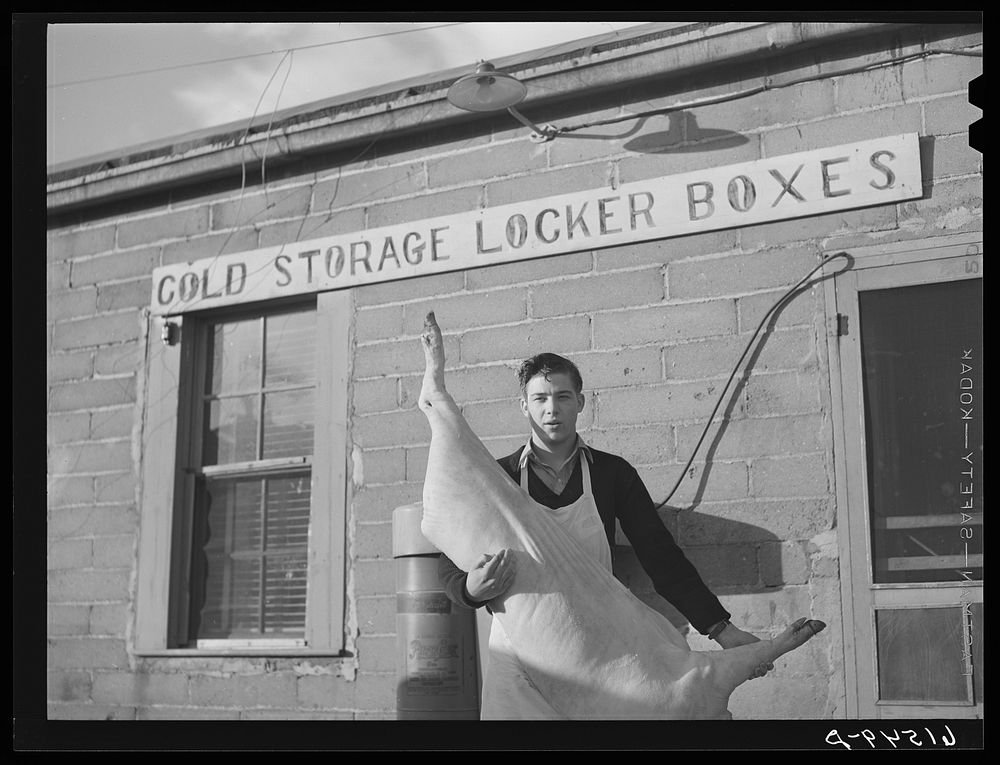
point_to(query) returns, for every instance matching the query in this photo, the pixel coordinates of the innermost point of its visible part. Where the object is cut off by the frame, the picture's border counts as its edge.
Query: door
(910, 344)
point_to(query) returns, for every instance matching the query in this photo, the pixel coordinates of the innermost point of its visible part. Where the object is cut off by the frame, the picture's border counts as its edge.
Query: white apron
(508, 693)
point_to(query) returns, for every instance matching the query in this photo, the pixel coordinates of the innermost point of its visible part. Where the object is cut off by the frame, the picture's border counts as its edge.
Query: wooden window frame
(945, 254)
(166, 494)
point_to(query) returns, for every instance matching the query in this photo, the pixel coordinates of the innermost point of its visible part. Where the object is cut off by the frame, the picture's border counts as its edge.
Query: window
(244, 481)
(910, 498)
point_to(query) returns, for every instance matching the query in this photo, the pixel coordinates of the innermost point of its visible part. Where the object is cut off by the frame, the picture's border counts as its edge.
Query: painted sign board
(814, 182)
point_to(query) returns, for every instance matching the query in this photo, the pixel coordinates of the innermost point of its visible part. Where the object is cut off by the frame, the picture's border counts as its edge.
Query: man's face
(552, 405)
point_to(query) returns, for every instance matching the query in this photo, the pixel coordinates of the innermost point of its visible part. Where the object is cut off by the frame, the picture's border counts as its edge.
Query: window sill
(269, 653)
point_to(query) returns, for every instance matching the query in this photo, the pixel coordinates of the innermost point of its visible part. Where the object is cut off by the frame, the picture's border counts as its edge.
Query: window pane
(235, 357)
(291, 348)
(230, 430)
(250, 557)
(231, 521)
(288, 512)
(288, 423)
(920, 655)
(285, 604)
(922, 355)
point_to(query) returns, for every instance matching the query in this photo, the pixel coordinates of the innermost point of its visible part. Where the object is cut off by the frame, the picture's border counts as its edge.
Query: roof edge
(407, 105)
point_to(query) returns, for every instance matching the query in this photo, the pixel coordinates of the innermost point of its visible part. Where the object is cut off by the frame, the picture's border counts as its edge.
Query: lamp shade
(486, 90)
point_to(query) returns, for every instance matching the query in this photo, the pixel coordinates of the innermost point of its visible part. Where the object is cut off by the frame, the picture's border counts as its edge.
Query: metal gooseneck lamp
(488, 90)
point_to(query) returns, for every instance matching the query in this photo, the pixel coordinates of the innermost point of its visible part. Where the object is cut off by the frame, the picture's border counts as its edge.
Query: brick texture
(251, 691)
(83, 521)
(409, 289)
(99, 330)
(486, 162)
(664, 251)
(597, 292)
(531, 271)
(70, 304)
(735, 522)
(172, 225)
(782, 393)
(949, 115)
(391, 429)
(663, 162)
(256, 208)
(302, 229)
(88, 241)
(68, 427)
(398, 357)
(771, 436)
(796, 476)
(209, 246)
(669, 402)
(119, 265)
(373, 540)
(68, 620)
(717, 356)
(523, 340)
(737, 274)
(369, 186)
(468, 310)
(551, 183)
(852, 128)
(115, 297)
(377, 616)
(70, 366)
(664, 324)
(939, 74)
(485, 383)
(382, 323)
(425, 206)
(90, 457)
(91, 393)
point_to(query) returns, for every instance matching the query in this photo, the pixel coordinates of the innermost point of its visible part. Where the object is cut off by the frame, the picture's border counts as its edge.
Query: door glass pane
(288, 423)
(922, 360)
(234, 354)
(230, 430)
(976, 616)
(291, 349)
(920, 655)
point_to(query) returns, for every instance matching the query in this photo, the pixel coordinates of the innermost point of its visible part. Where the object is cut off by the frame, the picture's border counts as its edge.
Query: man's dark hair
(548, 364)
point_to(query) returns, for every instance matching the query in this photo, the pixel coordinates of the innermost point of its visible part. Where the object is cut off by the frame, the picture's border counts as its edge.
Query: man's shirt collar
(528, 453)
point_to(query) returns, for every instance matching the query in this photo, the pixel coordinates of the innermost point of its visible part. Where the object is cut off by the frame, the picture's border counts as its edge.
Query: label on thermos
(422, 603)
(433, 666)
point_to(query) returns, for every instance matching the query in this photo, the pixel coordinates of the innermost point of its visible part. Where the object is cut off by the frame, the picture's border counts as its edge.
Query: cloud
(117, 113)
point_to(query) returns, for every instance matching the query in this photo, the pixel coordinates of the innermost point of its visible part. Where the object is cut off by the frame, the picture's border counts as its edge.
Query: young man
(586, 490)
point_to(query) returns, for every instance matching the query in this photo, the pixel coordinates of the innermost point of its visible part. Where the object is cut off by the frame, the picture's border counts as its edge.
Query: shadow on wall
(744, 558)
(683, 134)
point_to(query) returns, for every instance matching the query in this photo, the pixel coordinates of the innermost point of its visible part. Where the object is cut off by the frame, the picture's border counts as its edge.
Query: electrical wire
(768, 85)
(245, 56)
(753, 338)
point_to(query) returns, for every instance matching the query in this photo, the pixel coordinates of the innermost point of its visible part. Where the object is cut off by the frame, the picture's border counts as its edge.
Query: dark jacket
(620, 494)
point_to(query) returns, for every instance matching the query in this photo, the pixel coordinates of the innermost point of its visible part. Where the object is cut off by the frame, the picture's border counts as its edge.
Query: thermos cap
(406, 536)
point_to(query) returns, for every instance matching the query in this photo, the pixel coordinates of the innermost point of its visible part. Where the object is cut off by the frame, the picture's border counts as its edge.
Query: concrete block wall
(655, 328)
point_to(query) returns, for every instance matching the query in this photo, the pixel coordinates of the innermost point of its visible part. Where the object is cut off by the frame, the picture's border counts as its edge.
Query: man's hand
(491, 577)
(731, 637)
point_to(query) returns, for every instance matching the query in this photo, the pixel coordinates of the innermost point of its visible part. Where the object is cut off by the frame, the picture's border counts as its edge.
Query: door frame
(850, 469)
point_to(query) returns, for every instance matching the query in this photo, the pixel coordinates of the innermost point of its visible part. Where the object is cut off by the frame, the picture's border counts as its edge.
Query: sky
(175, 82)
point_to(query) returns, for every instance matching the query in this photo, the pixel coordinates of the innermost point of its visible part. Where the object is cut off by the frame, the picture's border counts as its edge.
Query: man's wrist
(471, 601)
(718, 628)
